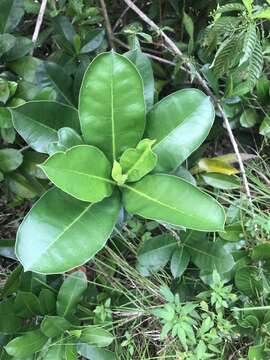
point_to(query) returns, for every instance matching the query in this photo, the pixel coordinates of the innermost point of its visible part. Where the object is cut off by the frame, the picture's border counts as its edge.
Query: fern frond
(250, 41)
(230, 7)
(255, 64)
(226, 25)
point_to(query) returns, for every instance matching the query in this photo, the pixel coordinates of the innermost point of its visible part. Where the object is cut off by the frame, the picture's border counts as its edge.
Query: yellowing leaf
(216, 166)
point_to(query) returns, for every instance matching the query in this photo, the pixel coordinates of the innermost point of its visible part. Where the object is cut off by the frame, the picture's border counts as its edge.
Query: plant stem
(39, 20)
(107, 24)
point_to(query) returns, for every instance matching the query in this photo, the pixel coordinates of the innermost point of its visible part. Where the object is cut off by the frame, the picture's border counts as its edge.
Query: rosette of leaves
(111, 164)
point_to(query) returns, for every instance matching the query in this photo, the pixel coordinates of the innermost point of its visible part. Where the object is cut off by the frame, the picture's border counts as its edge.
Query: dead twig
(170, 44)
(107, 24)
(39, 20)
(118, 22)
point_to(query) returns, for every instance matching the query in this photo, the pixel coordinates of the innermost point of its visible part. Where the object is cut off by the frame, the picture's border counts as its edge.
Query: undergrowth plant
(111, 165)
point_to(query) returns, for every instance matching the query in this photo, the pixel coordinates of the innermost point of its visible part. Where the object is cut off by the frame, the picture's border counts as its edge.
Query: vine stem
(39, 20)
(170, 44)
(107, 24)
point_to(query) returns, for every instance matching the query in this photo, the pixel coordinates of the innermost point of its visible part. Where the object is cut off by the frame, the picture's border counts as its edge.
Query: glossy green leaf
(71, 293)
(68, 137)
(4, 91)
(26, 68)
(26, 304)
(93, 40)
(257, 352)
(155, 253)
(10, 159)
(117, 173)
(38, 122)
(22, 47)
(10, 15)
(61, 232)
(31, 160)
(96, 336)
(95, 353)
(13, 282)
(111, 105)
(143, 65)
(179, 123)
(208, 256)
(169, 199)
(82, 171)
(27, 344)
(222, 181)
(53, 326)
(136, 163)
(179, 262)
(50, 74)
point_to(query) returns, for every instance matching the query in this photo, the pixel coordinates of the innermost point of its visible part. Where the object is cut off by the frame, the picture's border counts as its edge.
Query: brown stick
(39, 20)
(107, 23)
(204, 85)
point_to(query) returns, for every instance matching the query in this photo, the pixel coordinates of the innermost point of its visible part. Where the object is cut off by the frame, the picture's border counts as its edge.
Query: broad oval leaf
(83, 171)
(11, 14)
(10, 159)
(96, 336)
(23, 346)
(26, 304)
(172, 200)
(179, 262)
(207, 255)
(53, 326)
(222, 181)
(71, 293)
(38, 121)
(111, 105)
(154, 253)
(93, 352)
(61, 232)
(179, 123)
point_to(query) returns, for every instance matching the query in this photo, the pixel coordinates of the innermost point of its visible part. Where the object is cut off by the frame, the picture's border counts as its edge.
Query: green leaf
(53, 326)
(22, 47)
(26, 67)
(249, 281)
(26, 304)
(4, 91)
(21, 186)
(96, 336)
(143, 65)
(72, 172)
(9, 322)
(221, 181)
(7, 42)
(10, 159)
(10, 15)
(117, 173)
(5, 118)
(232, 232)
(94, 353)
(208, 256)
(13, 282)
(256, 352)
(249, 118)
(179, 123)
(38, 121)
(154, 253)
(264, 14)
(60, 232)
(71, 293)
(169, 199)
(68, 137)
(47, 301)
(136, 163)
(265, 126)
(179, 262)
(93, 40)
(261, 252)
(27, 344)
(111, 105)
(50, 74)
